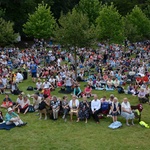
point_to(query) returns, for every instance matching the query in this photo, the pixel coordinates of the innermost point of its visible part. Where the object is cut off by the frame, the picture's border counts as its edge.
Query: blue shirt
(33, 68)
(10, 115)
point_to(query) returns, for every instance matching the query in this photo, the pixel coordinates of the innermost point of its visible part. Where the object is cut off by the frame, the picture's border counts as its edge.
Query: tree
(74, 29)
(41, 23)
(91, 8)
(110, 25)
(139, 23)
(17, 11)
(7, 35)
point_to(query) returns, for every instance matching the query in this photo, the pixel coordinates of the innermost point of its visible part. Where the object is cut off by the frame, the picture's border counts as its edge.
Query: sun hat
(111, 95)
(10, 109)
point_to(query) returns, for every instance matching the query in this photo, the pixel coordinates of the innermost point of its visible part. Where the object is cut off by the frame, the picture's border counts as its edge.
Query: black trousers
(95, 115)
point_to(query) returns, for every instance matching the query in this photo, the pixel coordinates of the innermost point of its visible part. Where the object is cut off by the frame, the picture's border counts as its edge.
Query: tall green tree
(41, 23)
(74, 29)
(91, 8)
(17, 11)
(110, 25)
(7, 35)
(140, 24)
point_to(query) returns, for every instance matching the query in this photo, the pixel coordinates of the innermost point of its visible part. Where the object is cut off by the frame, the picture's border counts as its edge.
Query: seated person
(88, 91)
(68, 84)
(104, 105)
(139, 80)
(2, 87)
(77, 91)
(39, 85)
(83, 110)
(98, 85)
(109, 85)
(46, 91)
(142, 96)
(65, 107)
(55, 105)
(36, 101)
(1, 117)
(95, 107)
(19, 77)
(19, 102)
(23, 108)
(12, 118)
(115, 109)
(7, 102)
(74, 106)
(126, 111)
(129, 89)
(116, 83)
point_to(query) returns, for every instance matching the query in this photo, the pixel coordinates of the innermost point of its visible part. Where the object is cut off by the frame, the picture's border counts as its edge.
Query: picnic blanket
(6, 127)
(115, 125)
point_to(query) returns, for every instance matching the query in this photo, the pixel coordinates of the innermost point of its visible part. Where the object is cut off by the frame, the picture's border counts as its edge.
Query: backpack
(30, 88)
(120, 90)
(31, 109)
(42, 105)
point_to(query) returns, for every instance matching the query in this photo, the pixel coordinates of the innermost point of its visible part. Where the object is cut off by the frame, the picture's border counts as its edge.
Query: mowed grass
(60, 135)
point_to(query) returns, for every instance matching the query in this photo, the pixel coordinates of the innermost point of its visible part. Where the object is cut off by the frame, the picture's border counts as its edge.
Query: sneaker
(63, 117)
(25, 123)
(19, 125)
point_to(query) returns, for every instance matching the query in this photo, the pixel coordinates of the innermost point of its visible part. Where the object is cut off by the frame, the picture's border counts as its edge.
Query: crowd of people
(108, 68)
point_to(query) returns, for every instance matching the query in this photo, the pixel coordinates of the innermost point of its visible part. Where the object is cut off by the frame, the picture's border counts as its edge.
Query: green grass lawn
(60, 135)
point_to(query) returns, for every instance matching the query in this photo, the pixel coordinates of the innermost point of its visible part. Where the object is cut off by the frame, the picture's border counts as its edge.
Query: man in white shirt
(19, 77)
(95, 107)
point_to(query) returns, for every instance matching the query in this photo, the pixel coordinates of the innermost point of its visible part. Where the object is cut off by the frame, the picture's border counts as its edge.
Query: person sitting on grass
(88, 91)
(115, 109)
(77, 91)
(12, 118)
(1, 117)
(23, 108)
(36, 101)
(7, 102)
(74, 106)
(142, 96)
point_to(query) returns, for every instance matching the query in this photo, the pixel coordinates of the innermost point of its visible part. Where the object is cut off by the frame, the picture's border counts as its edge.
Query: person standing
(33, 70)
(115, 109)
(95, 107)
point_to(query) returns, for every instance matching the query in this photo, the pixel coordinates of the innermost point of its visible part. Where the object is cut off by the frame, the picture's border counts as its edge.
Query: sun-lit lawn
(60, 135)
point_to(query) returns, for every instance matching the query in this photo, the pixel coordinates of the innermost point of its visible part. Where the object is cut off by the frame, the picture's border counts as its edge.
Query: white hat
(10, 109)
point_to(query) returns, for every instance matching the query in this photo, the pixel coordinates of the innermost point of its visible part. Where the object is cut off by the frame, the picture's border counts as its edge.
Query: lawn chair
(137, 114)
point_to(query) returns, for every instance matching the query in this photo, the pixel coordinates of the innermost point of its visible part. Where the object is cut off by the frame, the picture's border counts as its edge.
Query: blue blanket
(115, 125)
(6, 127)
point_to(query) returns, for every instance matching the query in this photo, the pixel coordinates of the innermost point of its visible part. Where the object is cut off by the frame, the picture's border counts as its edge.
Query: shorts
(33, 74)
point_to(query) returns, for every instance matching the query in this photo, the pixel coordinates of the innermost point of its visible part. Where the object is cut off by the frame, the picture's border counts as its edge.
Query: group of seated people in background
(56, 106)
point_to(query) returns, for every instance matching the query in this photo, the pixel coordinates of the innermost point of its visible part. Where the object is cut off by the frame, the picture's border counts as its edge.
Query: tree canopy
(7, 35)
(137, 25)
(110, 25)
(41, 23)
(74, 29)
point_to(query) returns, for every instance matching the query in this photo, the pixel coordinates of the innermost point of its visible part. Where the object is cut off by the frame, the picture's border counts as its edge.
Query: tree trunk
(75, 61)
